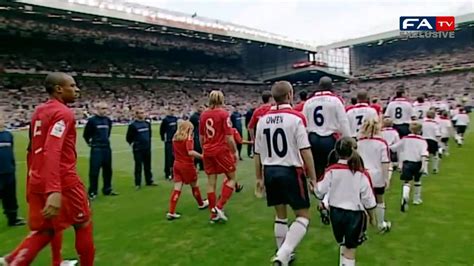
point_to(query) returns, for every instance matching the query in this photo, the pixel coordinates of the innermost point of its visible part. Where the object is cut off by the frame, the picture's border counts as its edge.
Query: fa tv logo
(427, 27)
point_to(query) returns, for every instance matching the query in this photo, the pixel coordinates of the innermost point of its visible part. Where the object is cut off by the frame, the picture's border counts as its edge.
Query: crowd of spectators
(453, 85)
(17, 54)
(421, 62)
(102, 32)
(19, 96)
(414, 56)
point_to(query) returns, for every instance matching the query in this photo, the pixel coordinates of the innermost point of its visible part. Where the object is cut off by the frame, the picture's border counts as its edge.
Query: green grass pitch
(131, 229)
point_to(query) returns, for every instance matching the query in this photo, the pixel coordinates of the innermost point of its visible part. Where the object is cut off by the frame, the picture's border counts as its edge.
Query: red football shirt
(52, 157)
(299, 107)
(377, 108)
(259, 112)
(214, 126)
(181, 149)
(237, 137)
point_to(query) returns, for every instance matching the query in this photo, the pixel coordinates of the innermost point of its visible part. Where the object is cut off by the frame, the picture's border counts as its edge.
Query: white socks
(281, 229)
(380, 214)
(343, 261)
(406, 191)
(390, 172)
(348, 262)
(435, 162)
(341, 257)
(417, 191)
(294, 236)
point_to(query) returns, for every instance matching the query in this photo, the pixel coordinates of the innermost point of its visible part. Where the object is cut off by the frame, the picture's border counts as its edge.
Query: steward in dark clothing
(97, 134)
(139, 137)
(168, 127)
(194, 119)
(8, 179)
(236, 119)
(248, 116)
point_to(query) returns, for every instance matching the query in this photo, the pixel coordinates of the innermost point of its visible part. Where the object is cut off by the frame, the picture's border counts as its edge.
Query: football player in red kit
(219, 152)
(184, 170)
(55, 193)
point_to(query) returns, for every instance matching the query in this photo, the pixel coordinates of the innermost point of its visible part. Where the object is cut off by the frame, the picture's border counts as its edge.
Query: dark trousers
(142, 160)
(239, 145)
(8, 196)
(169, 158)
(101, 157)
(321, 147)
(250, 146)
(197, 147)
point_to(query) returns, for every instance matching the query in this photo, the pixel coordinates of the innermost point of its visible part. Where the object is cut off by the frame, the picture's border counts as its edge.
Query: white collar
(281, 106)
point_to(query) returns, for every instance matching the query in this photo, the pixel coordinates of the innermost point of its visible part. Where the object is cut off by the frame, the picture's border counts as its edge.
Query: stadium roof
(394, 34)
(121, 10)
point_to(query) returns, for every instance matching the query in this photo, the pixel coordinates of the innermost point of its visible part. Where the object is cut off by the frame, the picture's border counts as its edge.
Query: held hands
(52, 206)
(312, 186)
(259, 188)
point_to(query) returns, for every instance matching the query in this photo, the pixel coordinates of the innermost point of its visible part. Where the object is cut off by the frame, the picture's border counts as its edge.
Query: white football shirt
(357, 114)
(374, 152)
(390, 135)
(400, 110)
(345, 189)
(411, 148)
(462, 119)
(326, 115)
(420, 110)
(431, 129)
(445, 127)
(280, 135)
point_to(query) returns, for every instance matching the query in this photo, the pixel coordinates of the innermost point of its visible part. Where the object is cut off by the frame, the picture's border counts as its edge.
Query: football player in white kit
(432, 135)
(327, 119)
(420, 108)
(413, 151)
(390, 135)
(283, 152)
(462, 121)
(360, 112)
(400, 110)
(374, 151)
(446, 127)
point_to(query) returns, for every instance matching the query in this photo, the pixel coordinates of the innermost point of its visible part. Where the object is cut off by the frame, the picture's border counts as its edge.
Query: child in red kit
(184, 170)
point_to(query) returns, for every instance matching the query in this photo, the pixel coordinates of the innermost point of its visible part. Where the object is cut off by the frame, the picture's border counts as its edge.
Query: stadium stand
(165, 70)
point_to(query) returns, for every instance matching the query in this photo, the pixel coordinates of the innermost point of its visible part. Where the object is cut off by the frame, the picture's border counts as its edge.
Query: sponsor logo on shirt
(58, 129)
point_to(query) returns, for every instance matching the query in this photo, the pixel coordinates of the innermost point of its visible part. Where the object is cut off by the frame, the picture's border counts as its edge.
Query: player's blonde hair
(431, 114)
(387, 122)
(185, 129)
(415, 127)
(370, 128)
(216, 99)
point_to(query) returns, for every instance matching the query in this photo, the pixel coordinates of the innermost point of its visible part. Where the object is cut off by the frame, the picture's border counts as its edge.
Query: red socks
(56, 246)
(211, 197)
(197, 195)
(26, 252)
(226, 193)
(85, 245)
(174, 200)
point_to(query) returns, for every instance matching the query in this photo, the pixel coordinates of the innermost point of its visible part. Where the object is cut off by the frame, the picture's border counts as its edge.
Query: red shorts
(75, 209)
(185, 173)
(220, 164)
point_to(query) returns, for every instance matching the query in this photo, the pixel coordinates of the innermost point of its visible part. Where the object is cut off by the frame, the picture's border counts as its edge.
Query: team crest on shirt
(58, 129)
